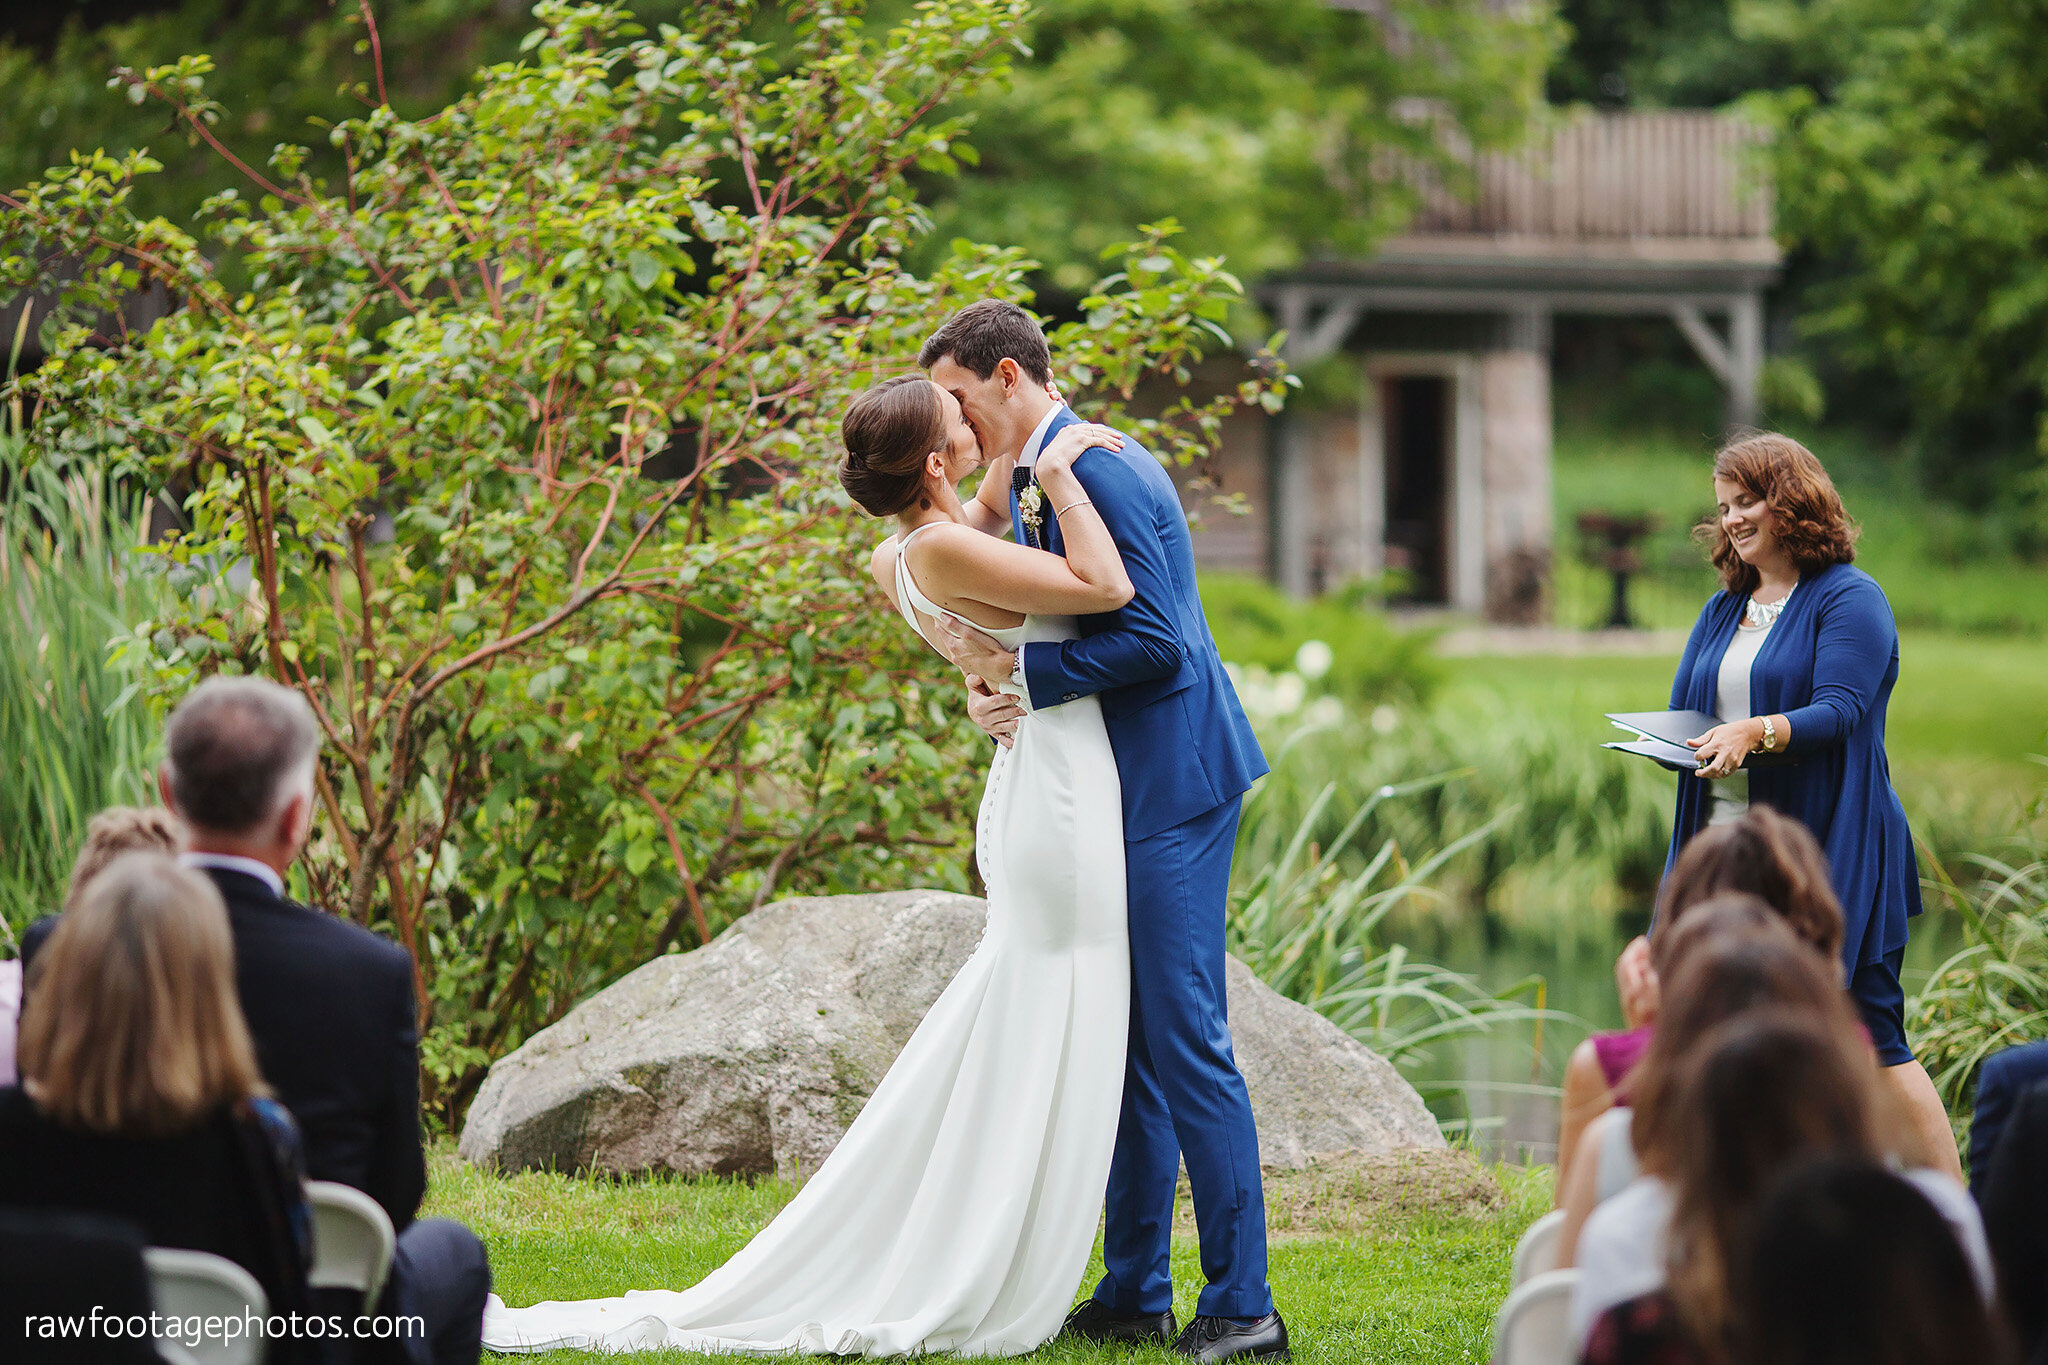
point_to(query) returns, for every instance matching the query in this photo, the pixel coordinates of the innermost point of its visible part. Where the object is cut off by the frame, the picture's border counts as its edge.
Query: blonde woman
(140, 1098)
(114, 831)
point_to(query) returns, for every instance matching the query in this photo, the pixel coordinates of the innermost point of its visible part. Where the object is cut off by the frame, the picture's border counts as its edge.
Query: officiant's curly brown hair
(1812, 525)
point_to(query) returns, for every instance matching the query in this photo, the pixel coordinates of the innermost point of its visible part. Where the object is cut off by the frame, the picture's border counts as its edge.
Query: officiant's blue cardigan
(1828, 666)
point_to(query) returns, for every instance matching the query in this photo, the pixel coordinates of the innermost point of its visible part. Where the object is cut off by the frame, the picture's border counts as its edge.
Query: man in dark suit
(2000, 1082)
(329, 1003)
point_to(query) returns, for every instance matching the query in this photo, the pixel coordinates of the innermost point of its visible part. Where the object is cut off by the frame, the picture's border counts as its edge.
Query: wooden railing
(1676, 173)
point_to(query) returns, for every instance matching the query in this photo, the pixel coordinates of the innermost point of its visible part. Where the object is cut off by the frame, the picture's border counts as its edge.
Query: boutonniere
(1029, 503)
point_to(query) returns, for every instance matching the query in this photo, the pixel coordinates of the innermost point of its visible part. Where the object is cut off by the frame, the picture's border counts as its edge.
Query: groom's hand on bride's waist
(997, 713)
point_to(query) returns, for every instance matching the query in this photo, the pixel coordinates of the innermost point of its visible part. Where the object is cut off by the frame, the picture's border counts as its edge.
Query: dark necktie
(1020, 479)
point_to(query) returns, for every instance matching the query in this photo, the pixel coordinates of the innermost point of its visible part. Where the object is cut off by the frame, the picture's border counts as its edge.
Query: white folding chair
(1536, 1252)
(1534, 1326)
(1617, 1166)
(197, 1284)
(352, 1240)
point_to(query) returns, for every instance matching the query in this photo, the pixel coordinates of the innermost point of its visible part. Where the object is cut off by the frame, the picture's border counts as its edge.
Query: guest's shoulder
(1639, 1209)
(279, 1129)
(348, 941)
(2015, 1067)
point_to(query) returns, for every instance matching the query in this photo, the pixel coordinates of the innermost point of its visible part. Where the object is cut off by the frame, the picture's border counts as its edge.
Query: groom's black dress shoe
(1093, 1321)
(1213, 1339)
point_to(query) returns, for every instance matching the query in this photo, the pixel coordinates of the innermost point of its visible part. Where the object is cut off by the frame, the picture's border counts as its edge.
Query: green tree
(576, 714)
(282, 64)
(1266, 126)
(1275, 129)
(1918, 167)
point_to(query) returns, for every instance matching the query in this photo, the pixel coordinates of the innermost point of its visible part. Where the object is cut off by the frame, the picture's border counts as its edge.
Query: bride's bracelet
(1059, 512)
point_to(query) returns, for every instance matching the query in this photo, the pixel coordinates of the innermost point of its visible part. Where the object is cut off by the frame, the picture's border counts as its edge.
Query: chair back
(1536, 1252)
(1534, 1326)
(198, 1284)
(352, 1240)
(1618, 1165)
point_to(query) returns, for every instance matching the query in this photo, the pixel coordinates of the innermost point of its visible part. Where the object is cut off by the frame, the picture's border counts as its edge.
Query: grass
(1993, 992)
(1306, 917)
(1941, 567)
(1418, 1282)
(1967, 710)
(75, 739)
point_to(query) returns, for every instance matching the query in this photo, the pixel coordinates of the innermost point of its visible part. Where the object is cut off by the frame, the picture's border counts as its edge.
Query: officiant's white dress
(959, 1211)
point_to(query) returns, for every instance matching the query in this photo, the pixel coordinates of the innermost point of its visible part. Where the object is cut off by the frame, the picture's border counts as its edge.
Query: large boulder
(754, 1053)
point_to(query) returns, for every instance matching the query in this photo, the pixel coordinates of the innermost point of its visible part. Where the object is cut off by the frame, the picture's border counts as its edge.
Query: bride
(959, 1211)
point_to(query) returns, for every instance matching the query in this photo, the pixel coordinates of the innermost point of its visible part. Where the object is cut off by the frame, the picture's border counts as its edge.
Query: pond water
(1507, 1080)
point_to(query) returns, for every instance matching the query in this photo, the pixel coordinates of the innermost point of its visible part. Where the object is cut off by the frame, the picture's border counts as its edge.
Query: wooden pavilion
(1443, 469)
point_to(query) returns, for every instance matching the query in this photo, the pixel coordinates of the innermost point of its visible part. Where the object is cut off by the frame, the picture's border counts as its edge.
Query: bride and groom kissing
(1082, 1052)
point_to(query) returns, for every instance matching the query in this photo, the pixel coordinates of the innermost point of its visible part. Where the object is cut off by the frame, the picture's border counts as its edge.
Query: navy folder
(1661, 736)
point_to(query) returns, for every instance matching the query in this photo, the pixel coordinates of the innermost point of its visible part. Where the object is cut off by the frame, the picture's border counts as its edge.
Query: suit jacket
(1828, 666)
(330, 1005)
(2015, 1203)
(2000, 1082)
(1182, 743)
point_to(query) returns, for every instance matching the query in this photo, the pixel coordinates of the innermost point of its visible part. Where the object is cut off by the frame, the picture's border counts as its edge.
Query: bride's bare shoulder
(882, 564)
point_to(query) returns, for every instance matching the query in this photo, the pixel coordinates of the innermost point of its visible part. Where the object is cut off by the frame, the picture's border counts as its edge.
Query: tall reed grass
(1993, 992)
(75, 739)
(1574, 838)
(1310, 920)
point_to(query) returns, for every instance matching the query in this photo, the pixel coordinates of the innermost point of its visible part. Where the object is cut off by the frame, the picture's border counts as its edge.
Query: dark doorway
(1417, 411)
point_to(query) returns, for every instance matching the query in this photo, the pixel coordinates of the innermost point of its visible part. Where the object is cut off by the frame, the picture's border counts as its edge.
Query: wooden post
(1745, 360)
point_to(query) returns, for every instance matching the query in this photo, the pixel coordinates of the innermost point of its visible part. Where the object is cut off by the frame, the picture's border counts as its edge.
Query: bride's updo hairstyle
(888, 432)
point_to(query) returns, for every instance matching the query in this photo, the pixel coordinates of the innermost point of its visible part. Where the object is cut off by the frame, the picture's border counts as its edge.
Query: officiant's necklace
(1757, 615)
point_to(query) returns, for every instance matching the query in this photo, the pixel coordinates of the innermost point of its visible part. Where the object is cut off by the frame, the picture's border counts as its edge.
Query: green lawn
(1942, 568)
(1411, 1287)
(1966, 714)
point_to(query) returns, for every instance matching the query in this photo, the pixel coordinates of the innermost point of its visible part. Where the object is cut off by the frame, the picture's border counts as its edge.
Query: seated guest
(2015, 1204)
(2000, 1082)
(114, 831)
(1846, 1263)
(58, 1265)
(1764, 853)
(117, 830)
(1734, 981)
(1759, 1095)
(331, 1005)
(140, 1098)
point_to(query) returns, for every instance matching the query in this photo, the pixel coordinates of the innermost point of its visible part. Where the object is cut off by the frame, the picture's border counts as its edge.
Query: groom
(1185, 755)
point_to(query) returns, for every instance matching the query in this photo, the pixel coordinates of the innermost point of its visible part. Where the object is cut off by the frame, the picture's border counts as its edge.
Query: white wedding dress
(959, 1211)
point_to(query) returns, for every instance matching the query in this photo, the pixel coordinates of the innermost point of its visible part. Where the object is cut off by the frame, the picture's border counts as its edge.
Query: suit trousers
(1184, 1099)
(440, 1274)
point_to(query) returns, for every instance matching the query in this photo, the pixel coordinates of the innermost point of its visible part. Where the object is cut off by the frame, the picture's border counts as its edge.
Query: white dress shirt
(1027, 458)
(234, 862)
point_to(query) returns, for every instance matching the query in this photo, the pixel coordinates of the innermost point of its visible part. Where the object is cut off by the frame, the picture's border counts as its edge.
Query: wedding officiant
(1797, 655)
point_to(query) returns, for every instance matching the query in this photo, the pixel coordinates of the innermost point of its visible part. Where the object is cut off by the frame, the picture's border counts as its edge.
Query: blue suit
(2004, 1077)
(1184, 754)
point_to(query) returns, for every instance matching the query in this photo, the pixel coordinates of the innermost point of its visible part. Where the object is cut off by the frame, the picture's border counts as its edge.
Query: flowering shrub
(520, 444)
